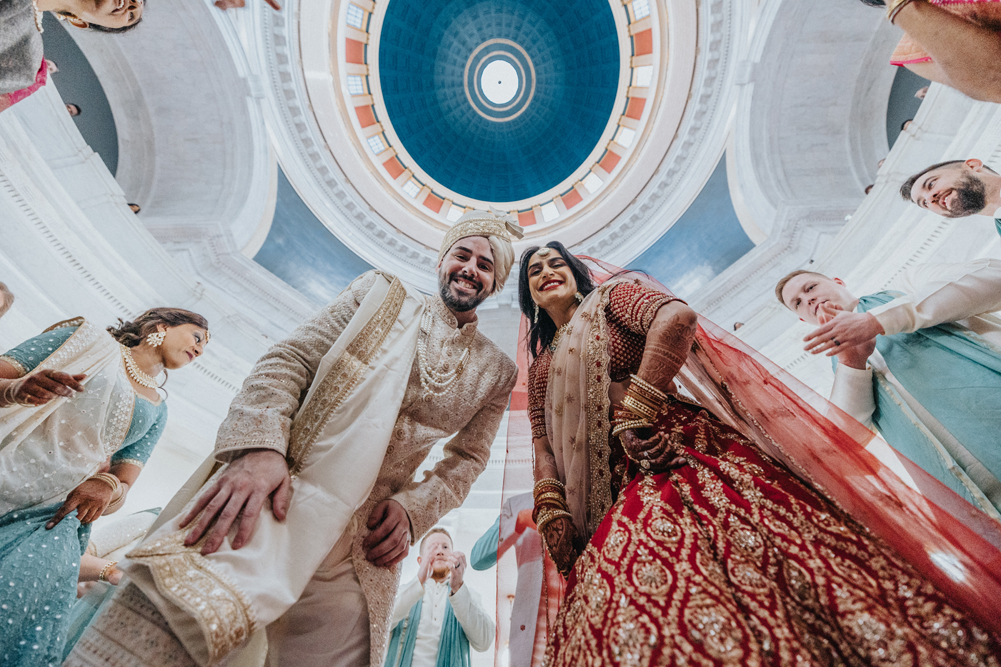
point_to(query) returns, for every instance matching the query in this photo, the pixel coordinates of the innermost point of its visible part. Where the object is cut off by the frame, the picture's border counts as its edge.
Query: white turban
(498, 229)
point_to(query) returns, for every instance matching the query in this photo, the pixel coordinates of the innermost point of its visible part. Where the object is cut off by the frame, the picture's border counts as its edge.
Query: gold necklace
(137, 374)
(565, 329)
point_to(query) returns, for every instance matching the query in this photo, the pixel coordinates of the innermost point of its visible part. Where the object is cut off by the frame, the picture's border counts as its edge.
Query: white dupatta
(47, 451)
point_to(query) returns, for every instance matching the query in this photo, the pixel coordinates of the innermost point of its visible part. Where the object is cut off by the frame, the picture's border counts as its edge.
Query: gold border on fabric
(73, 321)
(187, 579)
(600, 500)
(343, 376)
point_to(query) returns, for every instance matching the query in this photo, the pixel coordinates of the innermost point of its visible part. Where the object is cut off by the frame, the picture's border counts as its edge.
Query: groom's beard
(456, 303)
(971, 197)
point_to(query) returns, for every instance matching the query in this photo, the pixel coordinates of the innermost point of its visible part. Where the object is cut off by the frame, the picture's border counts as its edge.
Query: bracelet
(108, 479)
(548, 481)
(640, 409)
(119, 501)
(631, 425)
(104, 571)
(556, 497)
(646, 388)
(8, 394)
(549, 517)
(893, 8)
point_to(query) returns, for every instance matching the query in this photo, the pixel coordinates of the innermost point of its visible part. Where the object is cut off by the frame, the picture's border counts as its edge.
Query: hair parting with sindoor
(541, 333)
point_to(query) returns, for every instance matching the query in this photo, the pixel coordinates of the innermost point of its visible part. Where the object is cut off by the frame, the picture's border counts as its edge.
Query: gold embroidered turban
(498, 229)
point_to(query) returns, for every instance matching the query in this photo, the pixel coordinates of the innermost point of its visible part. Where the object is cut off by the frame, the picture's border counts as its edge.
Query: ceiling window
(412, 188)
(592, 182)
(642, 76)
(376, 144)
(550, 212)
(624, 136)
(641, 9)
(356, 86)
(454, 213)
(356, 17)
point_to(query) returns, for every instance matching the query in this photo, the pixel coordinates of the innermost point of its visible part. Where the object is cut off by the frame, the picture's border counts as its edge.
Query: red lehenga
(732, 559)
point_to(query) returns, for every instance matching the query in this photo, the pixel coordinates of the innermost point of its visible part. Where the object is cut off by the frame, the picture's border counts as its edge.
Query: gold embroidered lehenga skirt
(731, 560)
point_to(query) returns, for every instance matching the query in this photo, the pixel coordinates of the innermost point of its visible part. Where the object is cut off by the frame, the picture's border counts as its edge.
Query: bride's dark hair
(541, 333)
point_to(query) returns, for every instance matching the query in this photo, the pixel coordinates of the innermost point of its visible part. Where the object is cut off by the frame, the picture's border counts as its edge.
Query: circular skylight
(499, 81)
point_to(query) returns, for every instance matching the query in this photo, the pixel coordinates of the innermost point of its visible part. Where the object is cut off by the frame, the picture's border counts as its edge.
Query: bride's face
(550, 280)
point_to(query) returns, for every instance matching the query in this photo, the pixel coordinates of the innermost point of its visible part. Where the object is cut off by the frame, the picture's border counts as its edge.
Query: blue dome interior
(423, 51)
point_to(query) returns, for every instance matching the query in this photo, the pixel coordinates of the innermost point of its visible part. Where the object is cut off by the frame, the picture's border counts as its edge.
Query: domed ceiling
(525, 106)
(502, 100)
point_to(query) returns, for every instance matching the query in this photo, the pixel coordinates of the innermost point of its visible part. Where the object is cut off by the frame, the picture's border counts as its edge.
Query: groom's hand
(389, 541)
(238, 496)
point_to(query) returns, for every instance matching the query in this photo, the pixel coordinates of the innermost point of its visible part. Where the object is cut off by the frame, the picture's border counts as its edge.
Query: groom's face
(466, 274)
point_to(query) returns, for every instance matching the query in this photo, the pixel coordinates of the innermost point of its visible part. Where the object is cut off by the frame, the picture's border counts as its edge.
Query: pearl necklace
(135, 372)
(435, 382)
(565, 329)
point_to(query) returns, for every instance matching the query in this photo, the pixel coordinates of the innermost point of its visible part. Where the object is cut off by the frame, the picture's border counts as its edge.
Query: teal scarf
(956, 375)
(453, 647)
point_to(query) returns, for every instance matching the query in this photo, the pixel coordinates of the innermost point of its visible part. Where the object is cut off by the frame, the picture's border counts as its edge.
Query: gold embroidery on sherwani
(343, 376)
(187, 579)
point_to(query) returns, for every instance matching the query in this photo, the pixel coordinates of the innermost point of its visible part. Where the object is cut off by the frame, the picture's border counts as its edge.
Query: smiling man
(437, 618)
(325, 437)
(922, 365)
(956, 189)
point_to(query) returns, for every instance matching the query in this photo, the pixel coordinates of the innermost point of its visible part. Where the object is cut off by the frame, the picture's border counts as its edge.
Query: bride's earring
(536, 320)
(155, 339)
(579, 297)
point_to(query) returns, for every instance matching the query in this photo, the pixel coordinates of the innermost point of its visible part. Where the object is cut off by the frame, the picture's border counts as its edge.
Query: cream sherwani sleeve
(446, 485)
(938, 293)
(406, 598)
(260, 416)
(853, 393)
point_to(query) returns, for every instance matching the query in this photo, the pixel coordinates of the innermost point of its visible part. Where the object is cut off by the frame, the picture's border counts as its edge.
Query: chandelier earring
(536, 319)
(155, 339)
(579, 297)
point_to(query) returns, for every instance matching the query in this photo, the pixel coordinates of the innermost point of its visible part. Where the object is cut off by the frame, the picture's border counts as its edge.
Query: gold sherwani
(246, 586)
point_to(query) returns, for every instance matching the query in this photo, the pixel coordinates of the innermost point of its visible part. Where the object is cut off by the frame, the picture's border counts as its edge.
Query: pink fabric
(41, 77)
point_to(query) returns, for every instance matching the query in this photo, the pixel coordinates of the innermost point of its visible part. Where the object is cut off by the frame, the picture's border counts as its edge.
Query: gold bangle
(104, 571)
(548, 481)
(550, 495)
(639, 408)
(630, 426)
(645, 387)
(108, 479)
(640, 397)
(552, 516)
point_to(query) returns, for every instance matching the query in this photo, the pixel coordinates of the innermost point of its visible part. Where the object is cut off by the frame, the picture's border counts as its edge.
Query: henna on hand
(560, 537)
(667, 343)
(656, 450)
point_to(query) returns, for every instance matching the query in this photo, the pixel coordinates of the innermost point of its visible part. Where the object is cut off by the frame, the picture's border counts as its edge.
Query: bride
(685, 543)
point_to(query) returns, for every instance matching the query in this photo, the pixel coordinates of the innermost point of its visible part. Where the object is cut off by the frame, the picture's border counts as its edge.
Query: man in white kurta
(326, 436)
(935, 397)
(438, 585)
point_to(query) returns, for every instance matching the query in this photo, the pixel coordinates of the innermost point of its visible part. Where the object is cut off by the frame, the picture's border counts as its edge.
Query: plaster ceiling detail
(672, 153)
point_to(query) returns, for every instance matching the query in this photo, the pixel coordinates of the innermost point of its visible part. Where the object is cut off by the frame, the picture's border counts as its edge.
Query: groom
(317, 496)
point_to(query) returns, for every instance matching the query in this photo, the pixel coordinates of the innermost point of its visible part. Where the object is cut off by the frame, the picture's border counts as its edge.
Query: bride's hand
(560, 537)
(653, 454)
